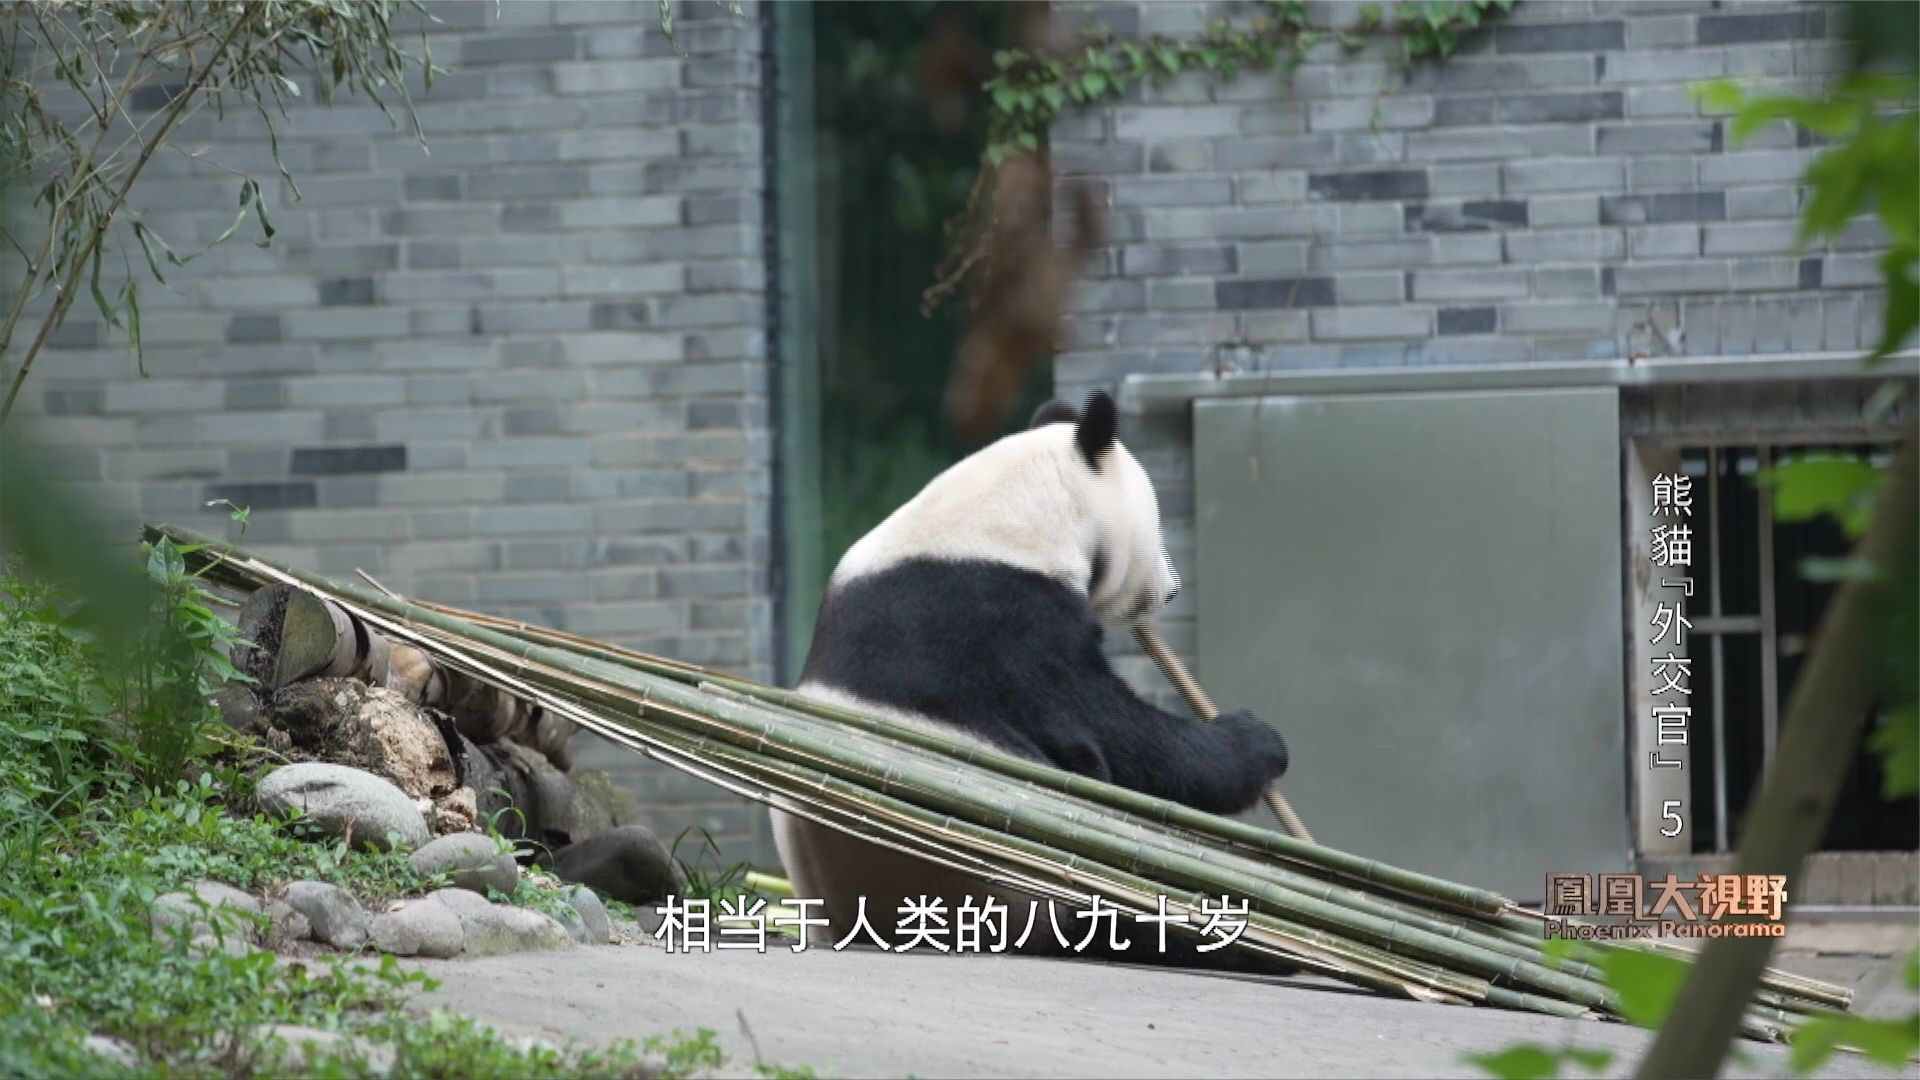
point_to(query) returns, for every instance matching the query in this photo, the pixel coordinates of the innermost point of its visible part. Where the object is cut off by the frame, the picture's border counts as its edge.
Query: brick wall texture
(523, 370)
(1550, 192)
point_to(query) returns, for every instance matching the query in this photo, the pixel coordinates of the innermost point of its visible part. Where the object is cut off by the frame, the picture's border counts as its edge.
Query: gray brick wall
(1550, 192)
(523, 370)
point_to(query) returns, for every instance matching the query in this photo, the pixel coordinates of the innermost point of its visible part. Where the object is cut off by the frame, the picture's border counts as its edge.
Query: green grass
(118, 785)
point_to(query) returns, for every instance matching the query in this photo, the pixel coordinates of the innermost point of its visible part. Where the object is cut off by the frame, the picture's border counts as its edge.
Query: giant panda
(976, 610)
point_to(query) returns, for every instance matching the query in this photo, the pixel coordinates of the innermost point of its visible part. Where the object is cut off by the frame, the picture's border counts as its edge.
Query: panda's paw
(1257, 742)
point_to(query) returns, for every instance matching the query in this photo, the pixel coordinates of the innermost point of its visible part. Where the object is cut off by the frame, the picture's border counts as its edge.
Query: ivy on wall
(1030, 89)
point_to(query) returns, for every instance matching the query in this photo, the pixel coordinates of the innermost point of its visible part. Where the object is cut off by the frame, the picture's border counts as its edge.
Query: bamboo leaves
(112, 55)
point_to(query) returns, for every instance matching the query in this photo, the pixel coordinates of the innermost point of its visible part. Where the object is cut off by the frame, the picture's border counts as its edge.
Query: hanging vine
(1030, 89)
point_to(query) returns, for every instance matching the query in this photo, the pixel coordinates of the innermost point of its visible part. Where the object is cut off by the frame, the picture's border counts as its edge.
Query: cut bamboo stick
(1203, 707)
(1014, 822)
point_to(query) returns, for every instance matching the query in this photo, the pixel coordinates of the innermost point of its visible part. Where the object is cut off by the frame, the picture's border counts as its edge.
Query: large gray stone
(119, 1054)
(285, 924)
(471, 861)
(335, 916)
(216, 917)
(628, 863)
(419, 928)
(576, 927)
(492, 929)
(592, 915)
(359, 806)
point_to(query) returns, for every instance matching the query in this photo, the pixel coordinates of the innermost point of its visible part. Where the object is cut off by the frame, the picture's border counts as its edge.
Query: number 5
(1669, 812)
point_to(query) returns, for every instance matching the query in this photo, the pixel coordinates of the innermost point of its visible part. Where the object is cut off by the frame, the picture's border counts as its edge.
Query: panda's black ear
(1053, 412)
(1098, 427)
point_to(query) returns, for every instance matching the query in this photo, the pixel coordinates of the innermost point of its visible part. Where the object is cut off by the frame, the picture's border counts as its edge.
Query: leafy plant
(1870, 165)
(1030, 90)
(1869, 118)
(90, 842)
(1874, 156)
(1533, 1061)
(705, 879)
(83, 162)
(685, 1053)
(162, 691)
(1892, 1041)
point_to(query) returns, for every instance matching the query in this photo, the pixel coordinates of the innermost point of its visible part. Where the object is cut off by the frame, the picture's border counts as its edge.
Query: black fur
(1099, 426)
(1095, 428)
(1014, 657)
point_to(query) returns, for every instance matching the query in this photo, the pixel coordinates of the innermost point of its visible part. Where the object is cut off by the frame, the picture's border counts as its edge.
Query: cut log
(296, 635)
(460, 784)
(347, 722)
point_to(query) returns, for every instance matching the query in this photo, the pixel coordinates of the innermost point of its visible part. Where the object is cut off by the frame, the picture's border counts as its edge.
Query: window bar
(1718, 642)
(1769, 632)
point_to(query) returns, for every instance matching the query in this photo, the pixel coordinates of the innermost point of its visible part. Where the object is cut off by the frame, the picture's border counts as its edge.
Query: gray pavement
(856, 1013)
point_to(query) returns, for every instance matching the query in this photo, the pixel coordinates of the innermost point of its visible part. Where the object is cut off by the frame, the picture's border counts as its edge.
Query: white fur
(1030, 500)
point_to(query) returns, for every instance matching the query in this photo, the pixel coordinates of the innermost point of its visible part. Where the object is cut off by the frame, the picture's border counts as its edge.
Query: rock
(492, 929)
(299, 1049)
(627, 863)
(336, 917)
(726, 1071)
(533, 1044)
(220, 894)
(344, 802)
(240, 708)
(231, 944)
(285, 924)
(522, 778)
(471, 860)
(593, 915)
(412, 752)
(600, 804)
(575, 926)
(113, 1050)
(211, 912)
(419, 928)
(552, 736)
(457, 811)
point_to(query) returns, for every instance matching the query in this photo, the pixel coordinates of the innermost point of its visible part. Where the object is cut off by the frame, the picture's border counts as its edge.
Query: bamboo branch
(37, 266)
(1026, 827)
(1821, 734)
(63, 296)
(1203, 707)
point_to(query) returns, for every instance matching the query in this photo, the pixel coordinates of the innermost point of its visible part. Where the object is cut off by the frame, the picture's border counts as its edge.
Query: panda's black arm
(1015, 657)
(1221, 766)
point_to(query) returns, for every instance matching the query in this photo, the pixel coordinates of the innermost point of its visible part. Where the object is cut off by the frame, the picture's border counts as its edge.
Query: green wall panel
(1423, 591)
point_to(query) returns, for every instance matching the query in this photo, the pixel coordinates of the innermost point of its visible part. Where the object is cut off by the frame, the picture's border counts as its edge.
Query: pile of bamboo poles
(1018, 823)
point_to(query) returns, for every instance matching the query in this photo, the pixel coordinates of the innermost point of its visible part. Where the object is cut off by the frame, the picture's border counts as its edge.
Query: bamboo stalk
(731, 723)
(1203, 707)
(772, 886)
(704, 751)
(1227, 828)
(1157, 811)
(1516, 924)
(1052, 860)
(1088, 872)
(872, 768)
(1479, 935)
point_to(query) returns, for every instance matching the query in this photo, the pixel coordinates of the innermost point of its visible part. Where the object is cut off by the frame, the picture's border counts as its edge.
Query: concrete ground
(863, 1014)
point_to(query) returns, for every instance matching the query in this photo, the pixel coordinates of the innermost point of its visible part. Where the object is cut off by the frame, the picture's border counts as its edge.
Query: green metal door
(1423, 591)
